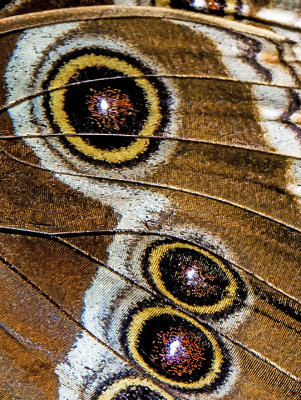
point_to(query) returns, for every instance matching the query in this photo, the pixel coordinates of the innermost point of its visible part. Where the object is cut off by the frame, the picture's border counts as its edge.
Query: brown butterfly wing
(286, 13)
(87, 229)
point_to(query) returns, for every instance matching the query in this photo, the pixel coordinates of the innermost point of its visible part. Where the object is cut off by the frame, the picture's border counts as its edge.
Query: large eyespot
(109, 103)
(193, 277)
(134, 389)
(107, 93)
(175, 348)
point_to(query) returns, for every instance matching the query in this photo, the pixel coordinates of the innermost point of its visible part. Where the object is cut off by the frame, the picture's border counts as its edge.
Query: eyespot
(192, 277)
(117, 100)
(175, 348)
(109, 103)
(134, 389)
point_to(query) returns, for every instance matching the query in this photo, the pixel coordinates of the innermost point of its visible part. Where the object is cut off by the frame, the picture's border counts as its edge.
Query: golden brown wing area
(150, 207)
(284, 12)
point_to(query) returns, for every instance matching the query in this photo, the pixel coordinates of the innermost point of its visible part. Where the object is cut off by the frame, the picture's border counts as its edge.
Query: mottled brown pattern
(64, 277)
(45, 204)
(33, 340)
(29, 6)
(8, 43)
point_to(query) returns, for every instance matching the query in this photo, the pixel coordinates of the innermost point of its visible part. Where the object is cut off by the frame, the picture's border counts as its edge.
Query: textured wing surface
(150, 207)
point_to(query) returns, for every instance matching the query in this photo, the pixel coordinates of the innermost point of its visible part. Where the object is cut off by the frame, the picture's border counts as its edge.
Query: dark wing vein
(160, 186)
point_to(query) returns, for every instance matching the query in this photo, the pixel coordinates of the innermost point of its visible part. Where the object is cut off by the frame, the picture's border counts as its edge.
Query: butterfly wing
(286, 13)
(164, 260)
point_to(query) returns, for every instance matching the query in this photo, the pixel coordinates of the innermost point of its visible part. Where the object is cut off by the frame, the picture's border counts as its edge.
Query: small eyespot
(133, 389)
(192, 277)
(106, 94)
(175, 348)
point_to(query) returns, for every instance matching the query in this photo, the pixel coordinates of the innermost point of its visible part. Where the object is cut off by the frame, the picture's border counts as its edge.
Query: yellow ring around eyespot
(57, 98)
(136, 327)
(154, 260)
(126, 383)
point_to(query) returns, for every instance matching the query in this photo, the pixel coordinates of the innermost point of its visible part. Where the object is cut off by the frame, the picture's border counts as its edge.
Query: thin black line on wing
(89, 81)
(155, 138)
(221, 333)
(19, 23)
(59, 236)
(160, 186)
(75, 321)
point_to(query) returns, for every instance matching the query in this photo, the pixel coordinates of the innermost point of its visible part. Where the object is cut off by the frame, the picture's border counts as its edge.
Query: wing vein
(174, 76)
(163, 187)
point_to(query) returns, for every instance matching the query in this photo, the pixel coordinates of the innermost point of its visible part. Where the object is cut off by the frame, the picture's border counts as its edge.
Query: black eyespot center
(193, 278)
(110, 103)
(175, 348)
(106, 106)
(137, 393)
